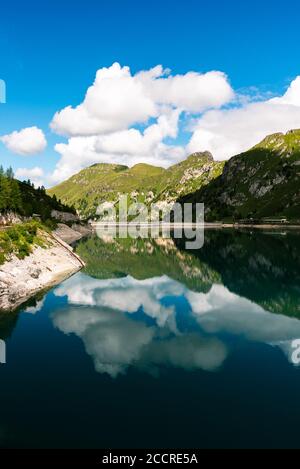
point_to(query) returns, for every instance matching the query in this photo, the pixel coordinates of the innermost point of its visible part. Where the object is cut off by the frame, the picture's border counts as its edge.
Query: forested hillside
(24, 199)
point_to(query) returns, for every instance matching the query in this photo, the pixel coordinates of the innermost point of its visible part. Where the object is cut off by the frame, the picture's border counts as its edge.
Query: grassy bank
(20, 239)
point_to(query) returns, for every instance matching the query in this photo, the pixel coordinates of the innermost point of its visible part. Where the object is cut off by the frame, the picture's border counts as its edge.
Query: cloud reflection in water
(112, 319)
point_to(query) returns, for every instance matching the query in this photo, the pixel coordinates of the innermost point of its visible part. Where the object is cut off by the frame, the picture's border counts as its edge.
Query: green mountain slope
(262, 182)
(144, 183)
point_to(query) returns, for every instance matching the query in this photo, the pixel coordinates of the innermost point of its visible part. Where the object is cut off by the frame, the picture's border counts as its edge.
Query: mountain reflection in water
(150, 340)
(187, 317)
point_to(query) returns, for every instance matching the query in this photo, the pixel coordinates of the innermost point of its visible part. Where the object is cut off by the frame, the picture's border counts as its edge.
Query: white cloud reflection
(100, 313)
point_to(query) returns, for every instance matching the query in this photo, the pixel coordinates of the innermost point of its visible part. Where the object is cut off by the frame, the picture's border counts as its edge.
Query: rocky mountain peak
(198, 155)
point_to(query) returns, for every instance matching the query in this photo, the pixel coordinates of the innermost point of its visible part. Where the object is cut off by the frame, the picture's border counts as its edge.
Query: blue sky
(51, 50)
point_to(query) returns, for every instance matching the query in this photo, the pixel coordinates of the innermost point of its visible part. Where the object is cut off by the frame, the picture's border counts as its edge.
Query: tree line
(23, 198)
(10, 194)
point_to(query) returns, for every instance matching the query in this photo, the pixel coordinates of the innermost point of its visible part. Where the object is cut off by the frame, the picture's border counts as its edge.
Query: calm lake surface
(156, 346)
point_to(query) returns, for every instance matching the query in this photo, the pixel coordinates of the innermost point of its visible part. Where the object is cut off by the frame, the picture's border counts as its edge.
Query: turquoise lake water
(158, 347)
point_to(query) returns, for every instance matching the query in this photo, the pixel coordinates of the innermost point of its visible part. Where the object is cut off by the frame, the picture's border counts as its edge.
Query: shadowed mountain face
(143, 182)
(262, 182)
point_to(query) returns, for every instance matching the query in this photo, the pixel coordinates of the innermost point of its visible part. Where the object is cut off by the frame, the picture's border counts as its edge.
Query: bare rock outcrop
(72, 234)
(64, 217)
(9, 218)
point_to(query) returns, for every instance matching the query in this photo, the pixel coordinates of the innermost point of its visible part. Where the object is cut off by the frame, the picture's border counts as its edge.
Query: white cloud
(117, 99)
(25, 142)
(134, 142)
(292, 95)
(148, 117)
(103, 127)
(228, 132)
(130, 118)
(192, 92)
(34, 174)
(127, 147)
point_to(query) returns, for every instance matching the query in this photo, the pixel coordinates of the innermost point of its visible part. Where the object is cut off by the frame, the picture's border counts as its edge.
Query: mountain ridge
(261, 182)
(143, 182)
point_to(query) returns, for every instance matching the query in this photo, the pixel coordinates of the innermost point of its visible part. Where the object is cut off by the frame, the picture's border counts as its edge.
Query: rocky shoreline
(21, 279)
